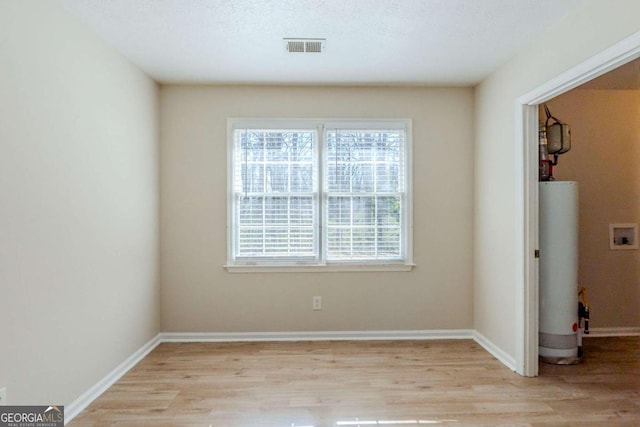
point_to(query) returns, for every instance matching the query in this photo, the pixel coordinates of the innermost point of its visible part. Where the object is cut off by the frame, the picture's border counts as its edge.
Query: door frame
(526, 111)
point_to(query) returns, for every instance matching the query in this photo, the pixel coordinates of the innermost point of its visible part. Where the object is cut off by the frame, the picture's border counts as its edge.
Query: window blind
(319, 193)
(364, 190)
(276, 193)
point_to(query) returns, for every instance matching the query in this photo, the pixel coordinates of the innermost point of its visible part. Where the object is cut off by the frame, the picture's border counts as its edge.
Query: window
(319, 194)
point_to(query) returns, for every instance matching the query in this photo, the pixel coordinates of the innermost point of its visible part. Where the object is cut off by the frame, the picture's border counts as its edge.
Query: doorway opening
(527, 106)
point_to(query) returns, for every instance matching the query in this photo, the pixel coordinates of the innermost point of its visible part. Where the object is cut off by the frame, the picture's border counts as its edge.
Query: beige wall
(78, 206)
(591, 28)
(199, 295)
(604, 159)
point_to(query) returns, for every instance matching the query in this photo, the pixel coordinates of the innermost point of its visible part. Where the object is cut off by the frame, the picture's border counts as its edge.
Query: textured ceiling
(426, 42)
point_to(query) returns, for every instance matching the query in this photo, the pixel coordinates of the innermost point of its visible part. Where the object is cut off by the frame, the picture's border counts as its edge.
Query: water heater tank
(558, 234)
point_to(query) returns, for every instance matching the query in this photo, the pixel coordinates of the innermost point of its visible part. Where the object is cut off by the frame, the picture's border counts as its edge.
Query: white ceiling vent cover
(305, 45)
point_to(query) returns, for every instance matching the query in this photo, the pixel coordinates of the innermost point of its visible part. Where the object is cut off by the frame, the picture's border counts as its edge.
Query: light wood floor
(327, 383)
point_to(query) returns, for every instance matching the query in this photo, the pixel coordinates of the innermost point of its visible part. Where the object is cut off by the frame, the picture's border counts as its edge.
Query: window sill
(318, 268)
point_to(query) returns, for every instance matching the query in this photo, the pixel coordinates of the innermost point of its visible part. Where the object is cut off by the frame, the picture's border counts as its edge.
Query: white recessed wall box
(623, 236)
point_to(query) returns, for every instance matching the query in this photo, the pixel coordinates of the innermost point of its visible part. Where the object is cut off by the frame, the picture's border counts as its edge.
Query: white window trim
(321, 125)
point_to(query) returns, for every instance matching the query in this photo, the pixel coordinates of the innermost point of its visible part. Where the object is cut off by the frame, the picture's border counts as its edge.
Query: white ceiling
(405, 42)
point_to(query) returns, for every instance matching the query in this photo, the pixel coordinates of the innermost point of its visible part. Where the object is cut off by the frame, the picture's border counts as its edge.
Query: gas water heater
(558, 290)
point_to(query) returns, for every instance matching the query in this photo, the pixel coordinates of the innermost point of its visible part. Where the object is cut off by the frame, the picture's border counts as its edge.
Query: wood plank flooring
(340, 382)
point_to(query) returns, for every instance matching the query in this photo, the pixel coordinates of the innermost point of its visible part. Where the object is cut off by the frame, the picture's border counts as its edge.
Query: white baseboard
(438, 334)
(613, 332)
(495, 351)
(82, 402)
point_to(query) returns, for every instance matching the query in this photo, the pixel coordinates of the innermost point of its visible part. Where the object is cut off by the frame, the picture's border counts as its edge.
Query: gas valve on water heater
(554, 138)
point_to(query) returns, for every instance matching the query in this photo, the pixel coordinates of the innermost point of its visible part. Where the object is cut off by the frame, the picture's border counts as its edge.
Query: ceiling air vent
(305, 45)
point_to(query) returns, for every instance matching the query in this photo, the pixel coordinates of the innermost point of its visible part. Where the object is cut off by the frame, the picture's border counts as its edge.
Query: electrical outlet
(317, 303)
(3, 396)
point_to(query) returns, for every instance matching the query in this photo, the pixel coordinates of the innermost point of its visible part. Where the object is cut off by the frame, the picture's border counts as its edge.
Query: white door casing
(526, 111)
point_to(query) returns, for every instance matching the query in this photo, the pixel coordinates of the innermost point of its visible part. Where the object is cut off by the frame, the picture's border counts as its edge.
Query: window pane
(276, 202)
(363, 227)
(275, 185)
(276, 226)
(365, 191)
(365, 161)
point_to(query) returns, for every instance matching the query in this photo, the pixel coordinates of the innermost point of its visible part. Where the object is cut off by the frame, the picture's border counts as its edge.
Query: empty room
(315, 213)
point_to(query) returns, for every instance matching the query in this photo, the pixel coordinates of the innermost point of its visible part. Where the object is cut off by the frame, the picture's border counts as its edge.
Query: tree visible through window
(318, 194)
(276, 193)
(364, 187)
